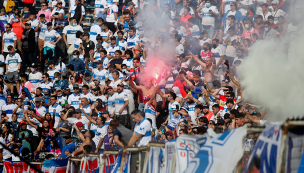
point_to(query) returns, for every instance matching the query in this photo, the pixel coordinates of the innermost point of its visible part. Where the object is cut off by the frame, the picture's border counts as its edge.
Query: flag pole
(21, 158)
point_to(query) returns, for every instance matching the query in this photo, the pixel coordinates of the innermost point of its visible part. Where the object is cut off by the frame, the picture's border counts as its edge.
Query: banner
(18, 167)
(294, 149)
(264, 156)
(126, 164)
(110, 161)
(90, 164)
(55, 165)
(169, 155)
(186, 148)
(156, 160)
(219, 154)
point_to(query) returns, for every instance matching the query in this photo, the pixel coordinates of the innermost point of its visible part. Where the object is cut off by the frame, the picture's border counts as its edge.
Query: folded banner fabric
(219, 154)
(55, 165)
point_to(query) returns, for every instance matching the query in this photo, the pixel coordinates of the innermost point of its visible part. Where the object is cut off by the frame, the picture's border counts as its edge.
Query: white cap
(115, 0)
(275, 2)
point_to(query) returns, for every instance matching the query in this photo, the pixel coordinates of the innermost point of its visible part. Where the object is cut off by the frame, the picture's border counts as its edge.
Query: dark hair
(129, 52)
(266, 22)
(184, 131)
(85, 86)
(231, 28)
(239, 115)
(216, 83)
(54, 96)
(172, 94)
(71, 67)
(231, 17)
(119, 51)
(114, 124)
(120, 32)
(87, 148)
(25, 76)
(204, 119)
(133, 29)
(55, 144)
(78, 34)
(100, 20)
(270, 17)
(178, 38)
(264, 5)
(234, 112)
(137, 112)
(76, 51)
(192, 20)
(231, 94)
(216, 106)
(229, 101)
(199, 106)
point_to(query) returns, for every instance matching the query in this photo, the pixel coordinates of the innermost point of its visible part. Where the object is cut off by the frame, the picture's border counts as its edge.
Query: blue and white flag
(187, 147)
(55, 165)
(219, 154)
(264, 156)
(126, 164)
(169, 155)
(156, 160)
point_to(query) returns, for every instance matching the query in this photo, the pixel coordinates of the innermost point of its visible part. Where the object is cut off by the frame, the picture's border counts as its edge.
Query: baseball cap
(38, 99)
(49, 24)
(51, 62)
(96, 78)
(86, 34)
(115, 1)
(79, 124)
(57, 88)
(98, 45)
(169, 133)
(28, 23)
(109, 87)
(63, 103)
(275, 2)
(84, 131)
(105, 112)
(97, 88)
(22, 123)
(197, 90)
(75, 86)
(98, 37)
(184, 65)
(46, 92)
(130, 3)
(18, 140)
(77, 110)
(205, 106)
(67, 137)
(131, 23)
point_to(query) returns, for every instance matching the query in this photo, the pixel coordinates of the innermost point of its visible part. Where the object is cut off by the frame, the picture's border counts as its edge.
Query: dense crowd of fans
(67, 90)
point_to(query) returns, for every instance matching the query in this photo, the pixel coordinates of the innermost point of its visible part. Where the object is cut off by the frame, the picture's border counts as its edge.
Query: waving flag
(126, 166)
(55, 166)
(219, 154)
(169, 154)
(265, 153)
(186, 148)
(91, 165)
(223, 101)
(110, 162)
(156, 160)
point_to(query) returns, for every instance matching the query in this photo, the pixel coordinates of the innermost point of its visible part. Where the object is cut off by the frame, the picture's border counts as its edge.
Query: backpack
(9, 6)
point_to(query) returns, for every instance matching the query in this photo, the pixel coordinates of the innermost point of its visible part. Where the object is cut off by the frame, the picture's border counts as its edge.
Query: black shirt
(116, 61)
(42, 132)
(88, 46)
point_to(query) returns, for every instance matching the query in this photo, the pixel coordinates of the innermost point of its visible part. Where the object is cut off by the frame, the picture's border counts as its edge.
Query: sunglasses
(43, 5)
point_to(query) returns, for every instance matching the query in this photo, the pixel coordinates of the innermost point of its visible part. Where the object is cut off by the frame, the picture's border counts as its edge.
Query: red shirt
(18, 29)
(185, 18)
(181, 85)
(209, 115)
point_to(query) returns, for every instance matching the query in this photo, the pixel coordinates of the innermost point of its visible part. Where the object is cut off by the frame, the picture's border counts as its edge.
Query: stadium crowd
(68, 89)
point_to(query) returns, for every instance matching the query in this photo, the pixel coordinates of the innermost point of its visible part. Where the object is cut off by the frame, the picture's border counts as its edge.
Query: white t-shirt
(207, 18)
(179, 49)
(114, 84)
(42, 29)
(77, 42)
(35, 79)
(70, 32)
(6, 154)
(13, 62)
(143, 128)
(111, 50)
(227, 5)
(120, 99)
(56, 10)
(111, 102)
(49, 37)
(277, 14)
(102, 74)
(4, 19)
(74, 100)
(100, 5)
(94, 31)
(128, 62)
(51, 73)
(73, 8)
(58, 110)
(1, 61)
(195, 31)
(111, 10)
(131, 42)
(9, 39)
(122, 45)
(46, 85)
(217, 53)
(34, 24)
(100, 132)
(150, 112)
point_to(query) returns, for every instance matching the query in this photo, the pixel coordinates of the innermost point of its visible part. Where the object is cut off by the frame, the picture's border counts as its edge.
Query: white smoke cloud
(273, 76)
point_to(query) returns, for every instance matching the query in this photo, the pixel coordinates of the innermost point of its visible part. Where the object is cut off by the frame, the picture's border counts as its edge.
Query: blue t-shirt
(69, 147)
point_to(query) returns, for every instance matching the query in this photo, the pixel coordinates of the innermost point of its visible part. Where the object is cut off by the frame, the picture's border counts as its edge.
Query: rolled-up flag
(129, 74)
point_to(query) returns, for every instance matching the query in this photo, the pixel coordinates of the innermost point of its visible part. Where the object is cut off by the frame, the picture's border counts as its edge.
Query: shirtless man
(87, 140)
(207, 68)
(148, 89)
